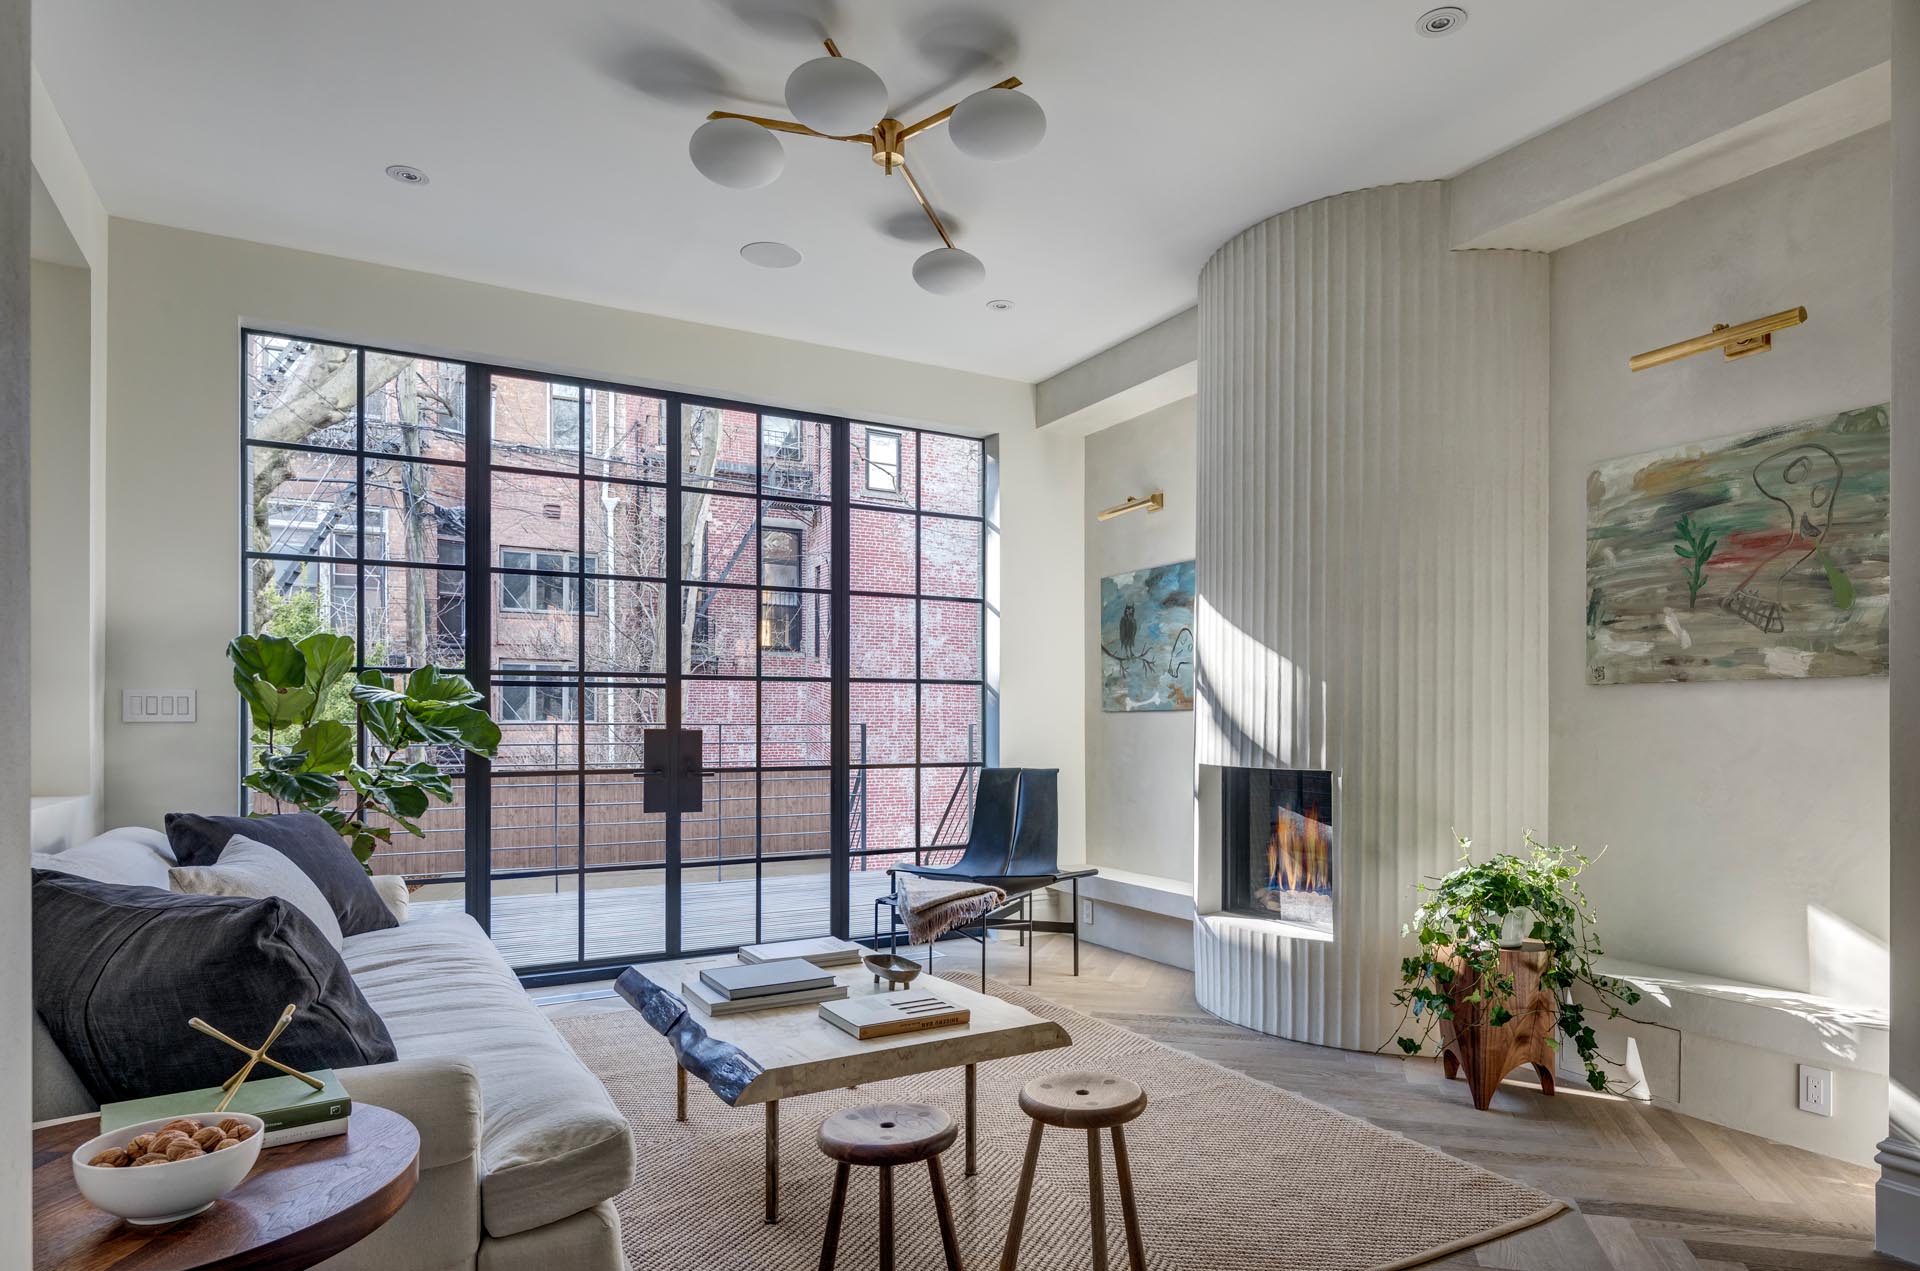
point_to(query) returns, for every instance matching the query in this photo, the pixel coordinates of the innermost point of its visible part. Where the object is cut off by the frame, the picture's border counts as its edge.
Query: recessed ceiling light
(1442, 21)
(769, 255)
(999, 306)
(406, 175)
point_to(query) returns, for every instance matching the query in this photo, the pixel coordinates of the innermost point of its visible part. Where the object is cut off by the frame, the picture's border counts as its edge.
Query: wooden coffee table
(765, 1056)
(302, 1204)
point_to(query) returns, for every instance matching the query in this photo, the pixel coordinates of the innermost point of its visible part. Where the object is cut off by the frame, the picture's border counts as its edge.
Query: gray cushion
(307, 840)
(254, 870)
(130, 856)
(118, 972)
(552, 1143)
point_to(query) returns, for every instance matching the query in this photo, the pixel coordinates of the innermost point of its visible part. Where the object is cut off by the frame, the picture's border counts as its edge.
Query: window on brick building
(883, 461)
(540, 702)
(547, 592)
(569, 414)
(780, 604)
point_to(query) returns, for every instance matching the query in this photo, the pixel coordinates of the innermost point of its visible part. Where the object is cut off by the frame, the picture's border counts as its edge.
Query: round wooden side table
(303, 1203)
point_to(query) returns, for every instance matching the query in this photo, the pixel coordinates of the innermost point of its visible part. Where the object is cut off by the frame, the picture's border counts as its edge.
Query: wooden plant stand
(1489, 1052)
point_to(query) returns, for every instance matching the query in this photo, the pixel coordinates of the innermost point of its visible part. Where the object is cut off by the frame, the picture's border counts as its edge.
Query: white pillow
(247, 868)
(394, 895)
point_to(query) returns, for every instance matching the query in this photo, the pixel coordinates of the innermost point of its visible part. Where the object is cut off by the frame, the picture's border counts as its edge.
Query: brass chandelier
(836, 98)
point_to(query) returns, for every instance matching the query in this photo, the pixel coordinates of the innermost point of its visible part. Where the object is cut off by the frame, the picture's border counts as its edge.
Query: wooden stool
(886, 1135)
(1090, 1101)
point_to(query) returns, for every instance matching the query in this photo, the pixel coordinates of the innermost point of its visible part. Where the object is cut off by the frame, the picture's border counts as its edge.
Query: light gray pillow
(394, 895)
(247, 868)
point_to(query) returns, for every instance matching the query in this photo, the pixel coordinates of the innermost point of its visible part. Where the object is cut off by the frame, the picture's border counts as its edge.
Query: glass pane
(627, 629)
(626, 909)
(796, 545)
(537, 514)
(619, 830)
(302, 392)
(415, 511)
(950, 473)
(796, 723)
(627, 436)
(538, 718)
(950, 723)
(946, 805)
(416, 407)
(627, 528)
(537, 423)
(796, 456)
(294, 599)
(718, 904)
(795, 899)
(867, 881)
(414, 616)
(881, 551)
(300, 502)
(534, 850)
(719, 448)
(437, 857)
(796, 633)
(618, 716)
(723, 829)
(882, 717)
(882, 638)
(796, 812)
(950, 555)
(536, 617)
(949, 640)
(719, 545)
(723, 627)
(881, 810)
(725, 713)
(883, 464)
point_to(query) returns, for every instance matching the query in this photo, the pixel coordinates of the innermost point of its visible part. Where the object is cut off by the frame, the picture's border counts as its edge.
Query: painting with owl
(1146, 639)
(1755, 557)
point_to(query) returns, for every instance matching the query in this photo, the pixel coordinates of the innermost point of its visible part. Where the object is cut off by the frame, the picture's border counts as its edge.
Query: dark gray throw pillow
(118, 971)
(304, 838)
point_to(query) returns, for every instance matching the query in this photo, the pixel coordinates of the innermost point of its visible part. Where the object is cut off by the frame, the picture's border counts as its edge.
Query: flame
(1299, 853)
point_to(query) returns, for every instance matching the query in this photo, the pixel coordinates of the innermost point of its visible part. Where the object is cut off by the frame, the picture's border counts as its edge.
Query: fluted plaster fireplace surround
(1371, 605)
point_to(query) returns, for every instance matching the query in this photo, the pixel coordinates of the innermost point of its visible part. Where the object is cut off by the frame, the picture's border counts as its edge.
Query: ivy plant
(307, 757)
(1458, 924)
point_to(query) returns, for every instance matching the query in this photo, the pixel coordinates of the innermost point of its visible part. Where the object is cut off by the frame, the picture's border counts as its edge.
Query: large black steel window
(737, 655)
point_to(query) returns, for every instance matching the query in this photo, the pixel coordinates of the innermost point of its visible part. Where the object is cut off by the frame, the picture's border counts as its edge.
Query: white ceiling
(555, 136)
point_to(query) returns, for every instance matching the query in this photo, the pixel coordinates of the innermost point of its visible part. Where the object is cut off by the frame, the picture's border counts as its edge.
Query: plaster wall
(64, 707)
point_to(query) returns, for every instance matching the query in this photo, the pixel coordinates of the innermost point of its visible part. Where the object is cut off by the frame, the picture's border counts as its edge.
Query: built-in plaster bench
(1729, 1052)
(1142, 914)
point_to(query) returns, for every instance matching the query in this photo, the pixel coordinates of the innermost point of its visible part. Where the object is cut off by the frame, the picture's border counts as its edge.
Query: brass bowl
(897, 971)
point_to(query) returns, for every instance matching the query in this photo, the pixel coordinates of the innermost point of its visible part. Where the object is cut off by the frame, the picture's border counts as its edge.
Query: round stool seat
(1082, 1100)
(887, 1134)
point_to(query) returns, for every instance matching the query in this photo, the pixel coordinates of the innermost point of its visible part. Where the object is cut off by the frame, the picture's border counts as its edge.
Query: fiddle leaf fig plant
(307, 757)
(1458, 924)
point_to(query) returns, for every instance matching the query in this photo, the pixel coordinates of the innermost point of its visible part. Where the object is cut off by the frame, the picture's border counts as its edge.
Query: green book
(282, 1102)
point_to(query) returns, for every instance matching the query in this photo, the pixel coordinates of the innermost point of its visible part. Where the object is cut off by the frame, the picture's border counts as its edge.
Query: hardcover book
(887, 1014)
(758, 979)
(822, 951)
(703, 998)
(284, 1103)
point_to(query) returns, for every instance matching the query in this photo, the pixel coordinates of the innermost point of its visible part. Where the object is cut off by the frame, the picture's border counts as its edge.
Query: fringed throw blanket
(931, 907)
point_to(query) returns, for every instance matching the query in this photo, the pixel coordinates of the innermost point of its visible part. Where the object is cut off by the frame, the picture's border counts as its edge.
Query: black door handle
(658, 747)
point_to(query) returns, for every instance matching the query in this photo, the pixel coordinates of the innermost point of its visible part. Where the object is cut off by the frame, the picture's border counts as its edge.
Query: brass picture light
(1151, 502)
(1742, 341)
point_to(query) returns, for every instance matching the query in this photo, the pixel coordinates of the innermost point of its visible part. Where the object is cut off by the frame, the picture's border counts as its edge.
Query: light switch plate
(1816, 1090)
(159, 705)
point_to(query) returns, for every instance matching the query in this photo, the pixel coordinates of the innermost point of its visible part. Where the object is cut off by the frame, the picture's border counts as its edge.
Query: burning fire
(1299, 855)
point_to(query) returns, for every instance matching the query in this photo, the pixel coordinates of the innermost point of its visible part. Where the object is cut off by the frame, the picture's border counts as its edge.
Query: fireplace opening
(1277, 838)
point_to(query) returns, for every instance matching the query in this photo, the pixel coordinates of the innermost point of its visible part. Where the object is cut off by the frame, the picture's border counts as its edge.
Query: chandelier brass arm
(941, 116)
(925, 206)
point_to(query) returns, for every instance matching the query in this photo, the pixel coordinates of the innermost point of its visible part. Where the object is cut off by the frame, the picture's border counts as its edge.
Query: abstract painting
(1146, 639)
(1756, 557)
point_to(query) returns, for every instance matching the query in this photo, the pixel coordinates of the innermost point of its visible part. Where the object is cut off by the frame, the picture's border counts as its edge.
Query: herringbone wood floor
(1653, 1191)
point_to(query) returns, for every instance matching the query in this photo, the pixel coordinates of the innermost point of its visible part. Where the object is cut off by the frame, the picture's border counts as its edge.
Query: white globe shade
(735, 153)
(948, 271)
(837, 96)
(997, 123)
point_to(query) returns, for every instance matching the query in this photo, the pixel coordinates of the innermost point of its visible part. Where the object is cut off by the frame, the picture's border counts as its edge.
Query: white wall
(1739, 818)
(178, 302)
(64, 708)
(1139, 790)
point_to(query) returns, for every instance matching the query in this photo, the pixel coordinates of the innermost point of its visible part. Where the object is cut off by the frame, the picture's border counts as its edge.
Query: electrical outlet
(1086, 913)
(1816, 1090)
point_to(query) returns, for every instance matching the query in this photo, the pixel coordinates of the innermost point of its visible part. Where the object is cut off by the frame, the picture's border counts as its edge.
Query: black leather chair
(1017, 849)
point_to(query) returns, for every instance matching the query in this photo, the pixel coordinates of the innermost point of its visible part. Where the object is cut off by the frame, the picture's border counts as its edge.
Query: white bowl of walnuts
(169, 1168)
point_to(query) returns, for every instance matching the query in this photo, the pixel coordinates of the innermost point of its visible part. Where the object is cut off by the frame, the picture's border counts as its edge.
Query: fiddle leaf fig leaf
(327, 658)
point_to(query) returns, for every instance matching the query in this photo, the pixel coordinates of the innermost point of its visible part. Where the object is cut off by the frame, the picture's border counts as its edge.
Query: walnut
(112, 1158)
(180, 1149)
(137, 1145)
(229, 1124)
(186, 1125)
(224, 1144)
(151, 1158)
(205, 1138)
(243, 1132)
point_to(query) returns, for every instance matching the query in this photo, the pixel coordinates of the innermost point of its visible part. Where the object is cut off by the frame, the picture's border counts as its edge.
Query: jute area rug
(1230, 1172)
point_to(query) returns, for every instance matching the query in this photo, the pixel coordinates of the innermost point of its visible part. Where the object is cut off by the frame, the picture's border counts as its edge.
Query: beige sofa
(521, 1150)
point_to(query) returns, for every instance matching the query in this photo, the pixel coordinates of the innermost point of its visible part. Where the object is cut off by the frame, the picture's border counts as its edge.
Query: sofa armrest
(440, 1096)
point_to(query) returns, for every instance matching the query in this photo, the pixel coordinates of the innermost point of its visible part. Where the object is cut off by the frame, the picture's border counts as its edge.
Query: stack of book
(757, 986)
(293, 1111)
(823, 951)
(889, 1014)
